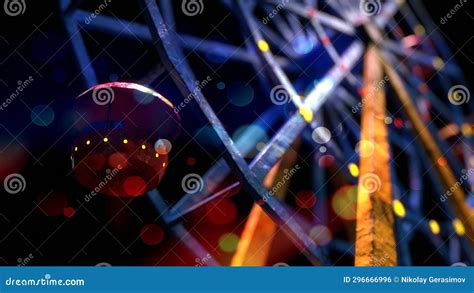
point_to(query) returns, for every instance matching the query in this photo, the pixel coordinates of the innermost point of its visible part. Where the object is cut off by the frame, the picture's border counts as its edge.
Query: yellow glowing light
(75, 149)
(307, 113)
(344, 202)
(164, 164)
(438, 63)
(353, 169)
(125, 141)
(157, 155)
(466, 130)
(398, 208)
(420, 30)
(143, 146)
(106, 139)
(459, 227)
(434, 226)
(263, 46)
(88, 142)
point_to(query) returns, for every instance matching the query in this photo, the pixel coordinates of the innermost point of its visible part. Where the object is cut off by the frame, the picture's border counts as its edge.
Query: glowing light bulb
(399, 209)
(263, 46)
(307, 113)
(459, 227)
(353, 169)
(106, 139)
(434, 227)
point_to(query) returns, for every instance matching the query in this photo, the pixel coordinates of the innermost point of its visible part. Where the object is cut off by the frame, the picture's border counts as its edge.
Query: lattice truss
(370, 86)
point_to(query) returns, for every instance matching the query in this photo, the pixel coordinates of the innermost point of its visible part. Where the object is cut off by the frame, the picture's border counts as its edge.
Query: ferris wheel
(358, 85)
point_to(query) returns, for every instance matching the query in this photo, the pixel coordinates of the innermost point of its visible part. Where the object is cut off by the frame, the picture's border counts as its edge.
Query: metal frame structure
(337, 89)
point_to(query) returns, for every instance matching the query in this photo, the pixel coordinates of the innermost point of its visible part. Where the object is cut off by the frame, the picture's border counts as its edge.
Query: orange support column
(375, 241)
(257, 237)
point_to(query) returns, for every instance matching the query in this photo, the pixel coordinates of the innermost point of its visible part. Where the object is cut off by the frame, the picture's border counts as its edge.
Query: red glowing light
(52, 204)
(151, 234)
(305, 199)
(191, 161)
(69, 212)
(221, 212)
(398, 123)
(134, 186)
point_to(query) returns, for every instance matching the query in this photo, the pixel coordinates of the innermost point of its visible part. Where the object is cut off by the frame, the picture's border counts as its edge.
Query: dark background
(36, 44)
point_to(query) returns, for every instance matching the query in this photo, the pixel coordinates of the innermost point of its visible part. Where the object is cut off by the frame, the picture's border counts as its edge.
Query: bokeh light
(305, 199)
(344, 202)
(228, 242)
(42, 115)
(399, 208)
(240, 94)
(151, 234)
